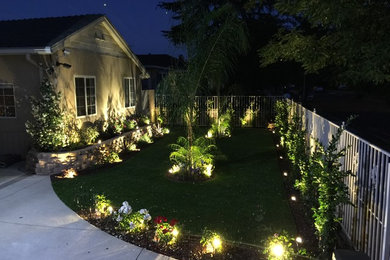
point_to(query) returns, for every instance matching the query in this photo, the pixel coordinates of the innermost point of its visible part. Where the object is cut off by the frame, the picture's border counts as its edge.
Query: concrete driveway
(35, 224)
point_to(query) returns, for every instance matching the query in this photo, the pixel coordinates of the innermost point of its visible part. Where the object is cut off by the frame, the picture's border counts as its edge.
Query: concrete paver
(36, 224)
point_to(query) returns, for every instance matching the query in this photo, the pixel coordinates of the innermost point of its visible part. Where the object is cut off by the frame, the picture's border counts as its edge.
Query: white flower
(125, 209)
(147, 217)
(119, 218)
(131, 225)
(143, 211)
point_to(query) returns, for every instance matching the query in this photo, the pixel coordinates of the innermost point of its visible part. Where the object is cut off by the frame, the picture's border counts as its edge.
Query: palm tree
(211, 55)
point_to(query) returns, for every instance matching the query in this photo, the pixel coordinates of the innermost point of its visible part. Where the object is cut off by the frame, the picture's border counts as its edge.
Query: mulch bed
(187, 247)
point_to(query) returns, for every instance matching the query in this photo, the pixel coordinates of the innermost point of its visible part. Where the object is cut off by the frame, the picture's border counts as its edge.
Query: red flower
(173, 222)
(165, 219)
(157, 220)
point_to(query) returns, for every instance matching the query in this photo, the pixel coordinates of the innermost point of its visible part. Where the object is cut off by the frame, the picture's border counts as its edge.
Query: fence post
(386, 232)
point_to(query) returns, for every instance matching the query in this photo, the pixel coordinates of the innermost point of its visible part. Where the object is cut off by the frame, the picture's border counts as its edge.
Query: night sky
(140, 22)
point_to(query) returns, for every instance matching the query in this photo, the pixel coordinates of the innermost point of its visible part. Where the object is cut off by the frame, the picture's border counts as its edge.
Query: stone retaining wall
(53, 163)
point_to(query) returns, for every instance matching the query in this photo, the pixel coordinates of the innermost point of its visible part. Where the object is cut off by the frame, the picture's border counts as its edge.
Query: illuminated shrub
(211, 242)
(88, 134)
(47, 128)
(102, 205)
(194, 161)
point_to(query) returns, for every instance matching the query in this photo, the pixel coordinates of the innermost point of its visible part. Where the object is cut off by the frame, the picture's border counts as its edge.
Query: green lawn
(245, 201)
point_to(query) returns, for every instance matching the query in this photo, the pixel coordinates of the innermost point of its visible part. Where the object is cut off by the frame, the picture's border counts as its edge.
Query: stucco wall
(25, 76)
(88, 56)
(109, 71)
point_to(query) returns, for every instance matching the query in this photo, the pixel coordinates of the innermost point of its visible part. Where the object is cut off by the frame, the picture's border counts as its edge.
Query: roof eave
(26, 50)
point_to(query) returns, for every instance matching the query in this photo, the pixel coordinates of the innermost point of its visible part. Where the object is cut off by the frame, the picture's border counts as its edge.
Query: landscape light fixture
(66, 51)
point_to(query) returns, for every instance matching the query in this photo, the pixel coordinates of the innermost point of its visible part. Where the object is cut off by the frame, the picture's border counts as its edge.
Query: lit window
(7, 100)
(129, 88)
(85, 95)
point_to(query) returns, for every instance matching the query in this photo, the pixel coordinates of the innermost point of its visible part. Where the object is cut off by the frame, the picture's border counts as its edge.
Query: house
(157, 66)
(84, 56)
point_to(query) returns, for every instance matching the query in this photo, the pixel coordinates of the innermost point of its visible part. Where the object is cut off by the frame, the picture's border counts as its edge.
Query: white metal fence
(366, 221)
(255, 110)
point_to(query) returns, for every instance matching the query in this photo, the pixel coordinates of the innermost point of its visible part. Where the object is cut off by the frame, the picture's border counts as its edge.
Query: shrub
(47, 128)
(105, 155)
(130, 124)
(195, 160)
(115, 123)
(211, 242)
(145, 138)
(88, 134)
(282, 109)
(102, 205)
(221, 127)
(279, 247)
(332, 191)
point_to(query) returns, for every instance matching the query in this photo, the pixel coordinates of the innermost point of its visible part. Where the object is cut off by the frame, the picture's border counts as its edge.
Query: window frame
(84, 77)
(134, 79)
(4, 85)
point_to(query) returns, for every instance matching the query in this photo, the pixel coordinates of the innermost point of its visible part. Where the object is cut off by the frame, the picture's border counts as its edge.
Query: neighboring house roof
(163, 61)
(42, 35)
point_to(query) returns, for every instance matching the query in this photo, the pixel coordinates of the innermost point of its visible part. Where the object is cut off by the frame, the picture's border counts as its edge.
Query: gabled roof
(40, 35)
(41, 32)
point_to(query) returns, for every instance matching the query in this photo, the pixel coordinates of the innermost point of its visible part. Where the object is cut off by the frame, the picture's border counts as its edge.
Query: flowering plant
(130, 221)
(166, 232)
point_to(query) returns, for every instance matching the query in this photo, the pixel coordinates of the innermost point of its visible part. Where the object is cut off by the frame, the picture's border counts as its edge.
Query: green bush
(282, 109)
(221, 126)
(47, 128)
(145, 139)
(195, 160)
(88, 134)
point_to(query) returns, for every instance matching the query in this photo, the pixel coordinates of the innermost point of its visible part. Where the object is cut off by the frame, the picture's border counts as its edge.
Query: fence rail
(256, 111)
(366, 219)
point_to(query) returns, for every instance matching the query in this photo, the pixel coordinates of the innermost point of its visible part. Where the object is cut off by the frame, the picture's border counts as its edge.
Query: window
(7, 100)
(129, 85)
(85, 95)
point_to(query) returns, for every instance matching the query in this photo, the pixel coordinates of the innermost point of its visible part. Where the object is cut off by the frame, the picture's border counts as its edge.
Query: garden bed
(245, 202)
(80, 159)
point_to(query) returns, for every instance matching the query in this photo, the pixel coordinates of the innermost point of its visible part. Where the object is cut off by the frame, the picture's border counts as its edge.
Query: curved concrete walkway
(36, 224)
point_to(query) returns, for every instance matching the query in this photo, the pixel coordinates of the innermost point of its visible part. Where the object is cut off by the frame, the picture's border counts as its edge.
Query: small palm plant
(192, 161)
(221, 127)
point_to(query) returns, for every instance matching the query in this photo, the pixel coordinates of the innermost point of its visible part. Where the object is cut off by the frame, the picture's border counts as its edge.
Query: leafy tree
(47, 128)
(260, 25)
(349, 36)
